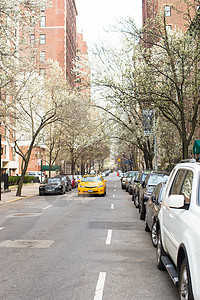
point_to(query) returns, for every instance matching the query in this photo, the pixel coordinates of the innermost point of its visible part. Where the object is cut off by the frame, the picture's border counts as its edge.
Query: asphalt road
(73, 248)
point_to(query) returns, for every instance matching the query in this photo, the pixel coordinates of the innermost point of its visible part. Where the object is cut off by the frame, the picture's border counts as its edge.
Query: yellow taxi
(92, 184)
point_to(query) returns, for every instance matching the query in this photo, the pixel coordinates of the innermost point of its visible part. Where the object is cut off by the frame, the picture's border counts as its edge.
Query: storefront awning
(53, 168)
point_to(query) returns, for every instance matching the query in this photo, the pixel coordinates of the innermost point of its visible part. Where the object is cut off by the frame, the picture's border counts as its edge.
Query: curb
(14, 200)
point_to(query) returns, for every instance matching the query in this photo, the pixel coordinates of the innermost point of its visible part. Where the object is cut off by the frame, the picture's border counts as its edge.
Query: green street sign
(196, 147)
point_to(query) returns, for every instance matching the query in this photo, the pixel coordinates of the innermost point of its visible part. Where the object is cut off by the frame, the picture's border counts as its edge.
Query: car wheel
(133, 198)
(185, 286)
(154, 235)
(142, 213)
(160, 252)
(136, 201)
(146, 225)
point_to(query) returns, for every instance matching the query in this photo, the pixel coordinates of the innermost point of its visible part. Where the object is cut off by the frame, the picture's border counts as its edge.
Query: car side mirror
(78, 181)
(143, 184)
(154, 199)
(175, 201)
(105, 181)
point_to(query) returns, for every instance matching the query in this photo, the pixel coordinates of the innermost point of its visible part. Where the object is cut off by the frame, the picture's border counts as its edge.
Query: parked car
(132, 182)
(52, 185)
(37, 175)
(89, 184)
(123, 181)
(148, 187)
(67, 181)
(152, 210)
(129, 176)
(178, 229)
(137, 185)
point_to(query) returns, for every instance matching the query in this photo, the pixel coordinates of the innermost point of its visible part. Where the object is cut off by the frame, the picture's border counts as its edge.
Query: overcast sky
(95, 15)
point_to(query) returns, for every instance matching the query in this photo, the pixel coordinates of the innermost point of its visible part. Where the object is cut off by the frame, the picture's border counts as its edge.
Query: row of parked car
(170, 206)
(59, 184)
(141, 185)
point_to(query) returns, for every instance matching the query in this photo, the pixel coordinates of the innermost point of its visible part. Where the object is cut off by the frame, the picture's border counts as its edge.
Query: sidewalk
(28, 190)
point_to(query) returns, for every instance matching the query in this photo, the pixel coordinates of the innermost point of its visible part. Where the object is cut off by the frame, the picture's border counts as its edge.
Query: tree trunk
(21, 178)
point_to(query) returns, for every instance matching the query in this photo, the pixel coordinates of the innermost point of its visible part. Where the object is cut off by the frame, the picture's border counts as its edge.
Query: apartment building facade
(55, 38)
(83, 77)
(173, 11)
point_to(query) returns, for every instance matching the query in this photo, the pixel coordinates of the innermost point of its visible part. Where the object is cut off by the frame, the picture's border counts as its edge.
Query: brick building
(56, 35)
(170, 8)
(55, 38)
(83, 78)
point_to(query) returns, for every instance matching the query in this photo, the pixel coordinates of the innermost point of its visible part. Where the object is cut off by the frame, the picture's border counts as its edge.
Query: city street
(65, 247)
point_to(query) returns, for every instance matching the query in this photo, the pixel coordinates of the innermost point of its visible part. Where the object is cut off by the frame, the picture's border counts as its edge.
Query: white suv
(178, 229)
(37, 175)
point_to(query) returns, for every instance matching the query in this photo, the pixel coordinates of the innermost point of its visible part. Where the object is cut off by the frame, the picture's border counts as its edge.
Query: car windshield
(91, 179)
(154, 179)
(53, 180)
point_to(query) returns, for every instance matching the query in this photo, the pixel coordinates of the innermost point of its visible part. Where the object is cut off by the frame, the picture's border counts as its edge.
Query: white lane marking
(109, 236)
(47, 207)
(1, 228)
(113, 196)
(112, 206)
(100, 286)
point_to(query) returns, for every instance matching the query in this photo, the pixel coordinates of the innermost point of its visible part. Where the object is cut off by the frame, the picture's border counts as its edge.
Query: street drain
(27, 243)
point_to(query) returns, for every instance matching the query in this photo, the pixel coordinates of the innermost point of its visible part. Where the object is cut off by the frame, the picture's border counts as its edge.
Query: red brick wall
(175, 20)
(60, 35)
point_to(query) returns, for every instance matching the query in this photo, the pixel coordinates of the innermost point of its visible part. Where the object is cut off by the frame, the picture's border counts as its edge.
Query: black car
(137, 185)
(52, 186)
(67, 181)
(152, 210)
(148, 187)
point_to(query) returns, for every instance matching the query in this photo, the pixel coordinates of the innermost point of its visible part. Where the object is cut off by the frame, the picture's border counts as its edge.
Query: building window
(42, 72)
(168, 28)
(43, 21)
(42, 56)
(32, 38)
(42, 8)
(42, 39)
(167, 10)
(33, 21)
